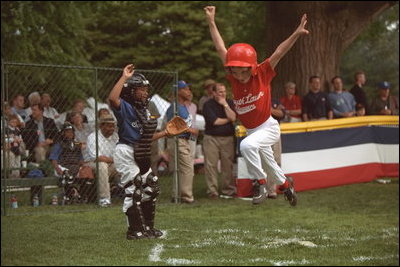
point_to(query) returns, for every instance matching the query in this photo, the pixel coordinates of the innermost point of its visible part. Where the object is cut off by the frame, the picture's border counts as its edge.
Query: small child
(251, 88)
(15, 145)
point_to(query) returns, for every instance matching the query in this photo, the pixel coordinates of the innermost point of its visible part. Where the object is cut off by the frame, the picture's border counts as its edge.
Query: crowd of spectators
(37, 132)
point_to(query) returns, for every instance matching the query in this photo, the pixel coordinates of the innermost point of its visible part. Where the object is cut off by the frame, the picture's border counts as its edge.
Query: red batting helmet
(242, 55)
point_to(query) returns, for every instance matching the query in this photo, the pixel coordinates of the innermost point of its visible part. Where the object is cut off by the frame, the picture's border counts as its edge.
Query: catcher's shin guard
(149, 212)
(137, 227)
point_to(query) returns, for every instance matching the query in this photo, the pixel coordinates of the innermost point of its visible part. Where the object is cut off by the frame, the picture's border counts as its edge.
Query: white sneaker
(104, 202)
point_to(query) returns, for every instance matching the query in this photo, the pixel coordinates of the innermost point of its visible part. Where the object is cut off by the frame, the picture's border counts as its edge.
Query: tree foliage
(172, 36)
(42, 32)
(376, 52)
(169, 36)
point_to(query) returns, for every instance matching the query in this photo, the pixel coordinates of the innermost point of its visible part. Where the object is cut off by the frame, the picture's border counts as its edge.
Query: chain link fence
(78, 95)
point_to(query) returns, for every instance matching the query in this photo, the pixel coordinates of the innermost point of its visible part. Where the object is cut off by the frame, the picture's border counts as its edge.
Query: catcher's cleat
(154, 233)
(289, 193)
(260, 193)
(135, 235)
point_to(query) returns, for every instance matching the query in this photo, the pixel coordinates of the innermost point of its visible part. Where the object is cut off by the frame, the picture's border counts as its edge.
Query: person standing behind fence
(192, 108)
(292, 103)
(129, 101)
(155, 148)
(218, 142)
(107, 140)
(185, 158)
(252, 97)
(39, 133)
(207, 85)
(358, 92)
(316, 104)
(384, 103)
(342, 102)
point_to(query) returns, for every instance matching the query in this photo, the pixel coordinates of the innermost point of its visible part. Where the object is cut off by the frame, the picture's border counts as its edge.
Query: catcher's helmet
(136, 81)
(242, 55)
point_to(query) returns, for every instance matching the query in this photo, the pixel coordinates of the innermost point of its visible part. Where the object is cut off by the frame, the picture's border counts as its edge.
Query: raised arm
(285, 46)
(216, 37)
(113, 97)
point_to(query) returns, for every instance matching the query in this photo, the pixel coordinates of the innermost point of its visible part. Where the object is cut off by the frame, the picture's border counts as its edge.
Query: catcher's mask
(128, 90)
(241, 55)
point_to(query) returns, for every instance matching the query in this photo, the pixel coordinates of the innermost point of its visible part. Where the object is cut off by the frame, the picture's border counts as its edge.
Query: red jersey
(253, 99)
(291, 104)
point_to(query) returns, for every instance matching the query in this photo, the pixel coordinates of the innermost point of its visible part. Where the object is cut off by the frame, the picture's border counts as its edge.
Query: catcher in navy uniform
(129, 100)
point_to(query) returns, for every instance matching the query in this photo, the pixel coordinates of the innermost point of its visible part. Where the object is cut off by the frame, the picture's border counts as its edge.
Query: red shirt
(292, 104)
(253, 99)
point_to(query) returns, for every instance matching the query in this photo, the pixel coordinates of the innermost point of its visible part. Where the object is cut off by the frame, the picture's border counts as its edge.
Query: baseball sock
(262, 181)
(284, 186)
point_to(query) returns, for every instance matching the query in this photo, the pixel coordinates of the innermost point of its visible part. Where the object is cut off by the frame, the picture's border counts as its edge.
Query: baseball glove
(176, 126)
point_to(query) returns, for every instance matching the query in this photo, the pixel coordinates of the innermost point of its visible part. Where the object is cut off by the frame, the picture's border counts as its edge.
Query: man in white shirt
(49, 111)
(107, 140)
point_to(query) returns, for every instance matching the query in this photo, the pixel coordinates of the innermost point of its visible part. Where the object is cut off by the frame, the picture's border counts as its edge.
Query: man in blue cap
(185, 158)
(384, 103)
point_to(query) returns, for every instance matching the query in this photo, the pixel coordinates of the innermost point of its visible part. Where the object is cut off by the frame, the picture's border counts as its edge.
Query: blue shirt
(129, 127)
(183, 113)
(341, 103)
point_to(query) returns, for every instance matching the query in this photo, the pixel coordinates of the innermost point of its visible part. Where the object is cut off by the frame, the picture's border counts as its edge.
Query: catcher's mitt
(176, 126)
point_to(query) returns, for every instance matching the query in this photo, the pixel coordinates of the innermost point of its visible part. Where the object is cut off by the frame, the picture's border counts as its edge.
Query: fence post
(176, 142)
(3, 138)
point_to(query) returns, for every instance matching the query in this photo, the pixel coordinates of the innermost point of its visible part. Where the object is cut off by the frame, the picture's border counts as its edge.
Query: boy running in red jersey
(252, 98)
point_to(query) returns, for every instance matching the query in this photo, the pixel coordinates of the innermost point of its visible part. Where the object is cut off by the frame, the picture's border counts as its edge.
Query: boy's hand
(301, 29)
(210, 13)
(129, 70)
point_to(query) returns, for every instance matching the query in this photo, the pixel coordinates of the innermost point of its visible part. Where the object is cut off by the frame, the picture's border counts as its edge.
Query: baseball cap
(208, 82)
(384, 85)
(107, 118)
(67, 126)
(182, 84)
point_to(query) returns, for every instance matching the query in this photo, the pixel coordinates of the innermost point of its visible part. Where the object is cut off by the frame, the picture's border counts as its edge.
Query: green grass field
(354, 225)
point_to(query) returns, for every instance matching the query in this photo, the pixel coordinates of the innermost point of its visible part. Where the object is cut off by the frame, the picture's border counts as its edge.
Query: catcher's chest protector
(142, 149)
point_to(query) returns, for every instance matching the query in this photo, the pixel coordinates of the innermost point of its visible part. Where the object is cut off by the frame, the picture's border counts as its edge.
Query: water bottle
(14, 202)
(35, 200)
(241, 133)
(54, 200)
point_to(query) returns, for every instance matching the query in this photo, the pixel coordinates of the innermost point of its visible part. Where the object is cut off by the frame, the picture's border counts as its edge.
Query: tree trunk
(332, 25)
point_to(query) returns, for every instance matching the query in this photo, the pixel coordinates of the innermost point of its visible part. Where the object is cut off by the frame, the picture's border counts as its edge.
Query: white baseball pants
(257, 152)
(125, 164)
